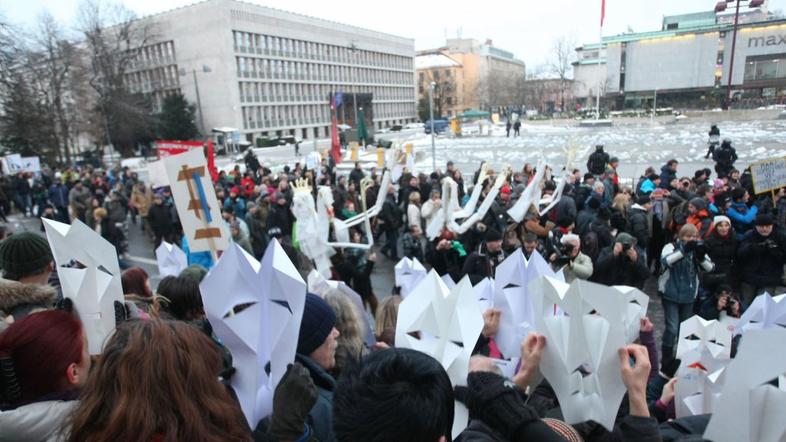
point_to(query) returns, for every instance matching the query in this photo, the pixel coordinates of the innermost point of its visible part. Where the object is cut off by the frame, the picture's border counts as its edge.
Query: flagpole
(600, 49)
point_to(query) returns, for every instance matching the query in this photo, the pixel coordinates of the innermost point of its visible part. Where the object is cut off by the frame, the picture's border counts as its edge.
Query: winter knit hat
(625, 238)
(317, 323)
(493, 235)
(764, 219)
(721, 219)
(698, 203)
(23, 253)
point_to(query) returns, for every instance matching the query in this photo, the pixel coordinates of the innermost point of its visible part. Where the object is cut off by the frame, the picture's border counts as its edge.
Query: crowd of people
(706, 245)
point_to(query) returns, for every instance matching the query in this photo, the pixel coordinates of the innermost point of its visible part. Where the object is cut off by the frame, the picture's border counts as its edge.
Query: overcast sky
(525, 27)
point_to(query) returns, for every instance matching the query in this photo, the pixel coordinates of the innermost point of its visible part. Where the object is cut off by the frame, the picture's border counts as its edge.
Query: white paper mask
(265, 332)
(408, 273)
(512, 297)
(580, 360)
(764, 312)
(448, 323)
(94, 288)
(171, 259)
(750, 408)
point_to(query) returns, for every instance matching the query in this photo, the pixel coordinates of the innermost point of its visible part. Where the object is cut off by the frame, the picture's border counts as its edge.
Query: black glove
(689, 246)
(294, 397)
(543, 220)
(495, 400)
(65, 304)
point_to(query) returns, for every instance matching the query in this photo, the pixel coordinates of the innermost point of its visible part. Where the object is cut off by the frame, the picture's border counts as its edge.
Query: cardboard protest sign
(195, 199)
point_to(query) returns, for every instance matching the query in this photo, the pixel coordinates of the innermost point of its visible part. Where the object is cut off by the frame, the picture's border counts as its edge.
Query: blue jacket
(647, 186)
(239, 206)
(680, 282)
(58, 195)
(320, 418)
(741, 217)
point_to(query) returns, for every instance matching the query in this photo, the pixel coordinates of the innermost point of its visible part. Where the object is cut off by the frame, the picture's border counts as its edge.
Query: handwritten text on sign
(769, 174)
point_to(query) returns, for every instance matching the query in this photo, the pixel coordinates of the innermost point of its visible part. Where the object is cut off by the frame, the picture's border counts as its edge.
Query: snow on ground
(636, 145)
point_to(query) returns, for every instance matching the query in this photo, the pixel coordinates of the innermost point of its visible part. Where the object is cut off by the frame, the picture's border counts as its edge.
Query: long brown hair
(157, 380)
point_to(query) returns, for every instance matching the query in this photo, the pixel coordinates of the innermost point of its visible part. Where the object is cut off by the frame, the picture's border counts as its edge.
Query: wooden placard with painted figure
(196, 202)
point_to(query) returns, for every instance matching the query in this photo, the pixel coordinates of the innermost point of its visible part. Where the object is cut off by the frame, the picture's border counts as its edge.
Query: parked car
(440, 126)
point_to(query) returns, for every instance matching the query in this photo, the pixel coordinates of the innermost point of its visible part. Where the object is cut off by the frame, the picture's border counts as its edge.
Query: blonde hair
(688, 229)
(621, 202)
(387, 313)
(100, 212)
(414, 197)
(350, 340)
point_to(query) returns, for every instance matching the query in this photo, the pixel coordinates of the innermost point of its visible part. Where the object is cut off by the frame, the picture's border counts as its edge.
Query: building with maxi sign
(686, 63)
(270, 73)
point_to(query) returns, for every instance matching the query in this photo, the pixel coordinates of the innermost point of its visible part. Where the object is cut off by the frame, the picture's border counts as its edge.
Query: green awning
(473, 114)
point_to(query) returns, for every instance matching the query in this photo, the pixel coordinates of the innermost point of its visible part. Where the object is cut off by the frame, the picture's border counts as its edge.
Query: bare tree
(563, 53)
(113, 38)
(51, 61)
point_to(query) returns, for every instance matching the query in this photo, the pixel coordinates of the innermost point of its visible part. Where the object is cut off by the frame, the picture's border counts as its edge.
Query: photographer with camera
(678, 285)
(723, 301)
(761, 257)
(575, 263)
(621, 264)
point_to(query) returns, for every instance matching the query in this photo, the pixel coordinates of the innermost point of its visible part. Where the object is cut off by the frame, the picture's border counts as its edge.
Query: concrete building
(479, 75)
(687, 63)
(268, 72)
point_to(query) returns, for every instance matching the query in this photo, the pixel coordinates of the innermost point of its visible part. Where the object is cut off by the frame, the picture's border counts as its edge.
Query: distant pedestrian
(507, 129)
(516, 128)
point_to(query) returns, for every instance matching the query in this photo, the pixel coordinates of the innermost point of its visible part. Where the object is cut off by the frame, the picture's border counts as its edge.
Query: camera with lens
(565, 254)
(626, 247)
(730, 304)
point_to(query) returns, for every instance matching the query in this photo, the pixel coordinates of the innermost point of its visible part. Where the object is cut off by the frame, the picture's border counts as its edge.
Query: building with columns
(268, 72)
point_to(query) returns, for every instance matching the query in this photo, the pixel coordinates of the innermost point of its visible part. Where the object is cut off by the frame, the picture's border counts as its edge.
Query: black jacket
(281, 217)
(596, 164)
(480, 264)
(638, 225)
(723, 253)
(760, 259)
(391, 214)
(619, 270)
(159, 218)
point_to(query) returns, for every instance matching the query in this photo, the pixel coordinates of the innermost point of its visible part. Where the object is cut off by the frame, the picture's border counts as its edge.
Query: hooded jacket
(320, 418)
(680, 282)
(18, 299)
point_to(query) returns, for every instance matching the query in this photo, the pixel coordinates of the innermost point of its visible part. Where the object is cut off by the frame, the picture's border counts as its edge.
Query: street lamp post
(720, 7)
(205, 69)
(353, 48)
(431, 115)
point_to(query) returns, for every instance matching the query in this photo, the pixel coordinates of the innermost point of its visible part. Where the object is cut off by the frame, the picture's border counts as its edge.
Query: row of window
(149, 80)
(265, 117)
(267, 44)
(261, 92)
(155, 54)
(250, 67)
(765, 69)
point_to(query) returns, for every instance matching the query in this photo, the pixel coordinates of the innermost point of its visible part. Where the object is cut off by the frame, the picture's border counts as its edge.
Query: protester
(761, 255)
(621, 264)
(45, 364)
(683, 260)
(316, 351)
(157, 381)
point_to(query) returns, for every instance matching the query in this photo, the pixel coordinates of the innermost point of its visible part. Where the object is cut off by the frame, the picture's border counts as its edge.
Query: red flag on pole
(602, 12)
(335, 144)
